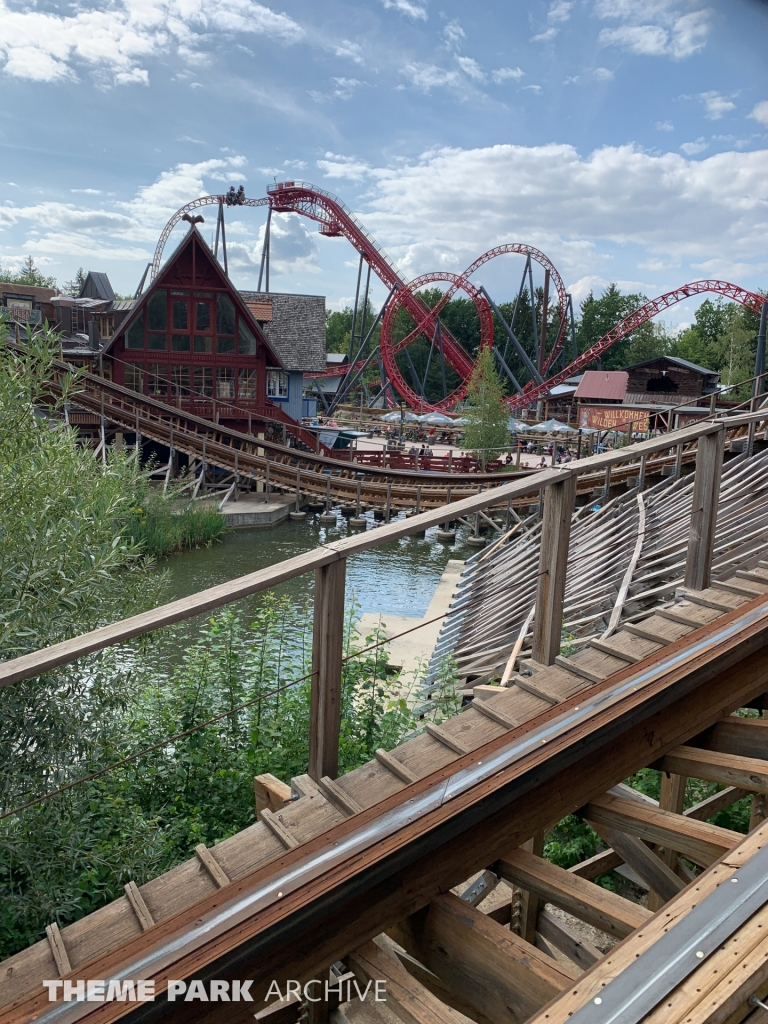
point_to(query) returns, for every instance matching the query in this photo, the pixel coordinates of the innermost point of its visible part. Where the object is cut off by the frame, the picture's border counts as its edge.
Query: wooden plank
(660, 878)
(327, 644)
(615, 652)
(579, 670)
(504, 977)
(727, 769)
(530, 904)
(270, 793)
(712, 805)
(406, 997)
(673, 615)
(495, 714)
(58, 949)
(559, 500)
(585, 900)
(745, 736)
(744, 589)
(138, 906)
(332, 791)
(698, 840)
(704, 505)
(402, 771)
(597, 866)
(276, 826)
(211, 865)
(636, 629)
(445, 738)
(578, 950)
(708, 600)
(531, 686)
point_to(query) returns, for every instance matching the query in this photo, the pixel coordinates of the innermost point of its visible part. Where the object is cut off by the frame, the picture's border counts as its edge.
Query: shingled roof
(296, 331)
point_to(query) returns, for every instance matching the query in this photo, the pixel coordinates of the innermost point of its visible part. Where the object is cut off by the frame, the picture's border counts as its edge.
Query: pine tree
(486, 414)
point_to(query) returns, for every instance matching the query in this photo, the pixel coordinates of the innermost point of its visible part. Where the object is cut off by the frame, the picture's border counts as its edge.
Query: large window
(225, 314)
(225, 382)
(156, 342)
(277, 384)
(134, 336)
(180, 343)
(203, 381)
(157, 379)
(180, 381)
(180, 317)
(203, 343)
(247, 384)
(202, 316)
(246, 342)
(157, 311)
(134, 377)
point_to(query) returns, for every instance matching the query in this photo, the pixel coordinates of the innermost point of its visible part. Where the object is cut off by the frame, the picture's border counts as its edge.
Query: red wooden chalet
(191, 341)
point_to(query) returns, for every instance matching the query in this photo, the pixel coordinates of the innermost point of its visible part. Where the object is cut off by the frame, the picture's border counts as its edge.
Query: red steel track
(337, 220)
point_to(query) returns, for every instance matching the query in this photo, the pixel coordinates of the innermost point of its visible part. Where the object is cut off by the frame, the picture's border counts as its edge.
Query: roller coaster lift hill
(337, 220)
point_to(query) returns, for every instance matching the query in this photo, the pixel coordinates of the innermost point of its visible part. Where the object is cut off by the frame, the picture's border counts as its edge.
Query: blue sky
(625, 138)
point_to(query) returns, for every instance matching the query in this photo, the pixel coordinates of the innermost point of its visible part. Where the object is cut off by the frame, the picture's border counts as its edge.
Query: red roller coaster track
(337, 220)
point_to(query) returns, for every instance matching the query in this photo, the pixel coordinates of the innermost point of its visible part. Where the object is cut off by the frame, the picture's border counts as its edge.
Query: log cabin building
(669, 380)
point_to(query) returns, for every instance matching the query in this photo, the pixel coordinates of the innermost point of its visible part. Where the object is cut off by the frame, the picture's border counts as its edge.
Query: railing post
(559, 502)
(706, 493)
(327, 647)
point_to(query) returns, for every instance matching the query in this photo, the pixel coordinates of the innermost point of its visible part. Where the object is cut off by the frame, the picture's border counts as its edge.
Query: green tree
(29, 274)
(600, 315)
(723, 337)
(75, 286)
(486, 414)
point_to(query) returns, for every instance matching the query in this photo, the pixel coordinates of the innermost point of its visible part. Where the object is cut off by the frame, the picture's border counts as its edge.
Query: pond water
(398, 578)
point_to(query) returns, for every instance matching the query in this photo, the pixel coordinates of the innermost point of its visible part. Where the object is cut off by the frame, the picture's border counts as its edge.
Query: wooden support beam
(445, 738)
(559, 499)
(705, 509)
(495, 714)
(597, 866)
(277, 828)
(747, 737)
(713, 766)
(578, 950)
(402, 771)
(58, 949)
(607, 648)
(712, 805)
(270, 793)
(504, 977)
(211, 865)
(407, 998)
(660, 878)
(327, 646)
(697, 840)
(585, 900)
(530, 904)
(671, 798)
(333, 792)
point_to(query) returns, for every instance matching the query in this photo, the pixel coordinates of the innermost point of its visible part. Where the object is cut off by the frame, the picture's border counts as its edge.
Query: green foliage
(723, 337)
(159, 526)
(486, 414)
(600, 315)
(570, 841)
(29, 274)
(338, 328)
(68, 856)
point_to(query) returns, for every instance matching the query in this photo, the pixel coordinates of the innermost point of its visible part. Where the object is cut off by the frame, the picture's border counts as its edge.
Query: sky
(626, 139)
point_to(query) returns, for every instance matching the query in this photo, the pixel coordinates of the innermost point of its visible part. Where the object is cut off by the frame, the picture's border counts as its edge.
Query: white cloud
(503, 74)
(454, 203)
(664, 126)
(351, 50)
(415, 11)
(471, 68)
(559, 12)
(337, 166)
(83, 191)
(760, 112)
(430, 76)
(716, 105)
(111, 42)
(532, 88)
(691, 148)
(653, 28)
(453, 33)
(602, 74)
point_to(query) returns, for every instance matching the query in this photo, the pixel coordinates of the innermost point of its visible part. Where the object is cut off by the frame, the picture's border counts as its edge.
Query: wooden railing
(328, 563)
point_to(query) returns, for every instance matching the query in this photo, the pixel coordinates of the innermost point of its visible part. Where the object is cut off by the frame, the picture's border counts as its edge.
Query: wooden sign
(614, 417)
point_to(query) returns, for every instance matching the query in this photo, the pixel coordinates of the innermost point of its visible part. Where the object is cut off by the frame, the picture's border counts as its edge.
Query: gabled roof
(297, 329)
(165, 279)
(97, 286)
(676, 361)
(603, 384)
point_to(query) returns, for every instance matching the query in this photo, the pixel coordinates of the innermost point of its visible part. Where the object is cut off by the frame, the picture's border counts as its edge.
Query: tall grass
(159, 526)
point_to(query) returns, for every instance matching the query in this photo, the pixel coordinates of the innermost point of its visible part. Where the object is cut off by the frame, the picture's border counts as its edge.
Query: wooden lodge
(194, 341)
